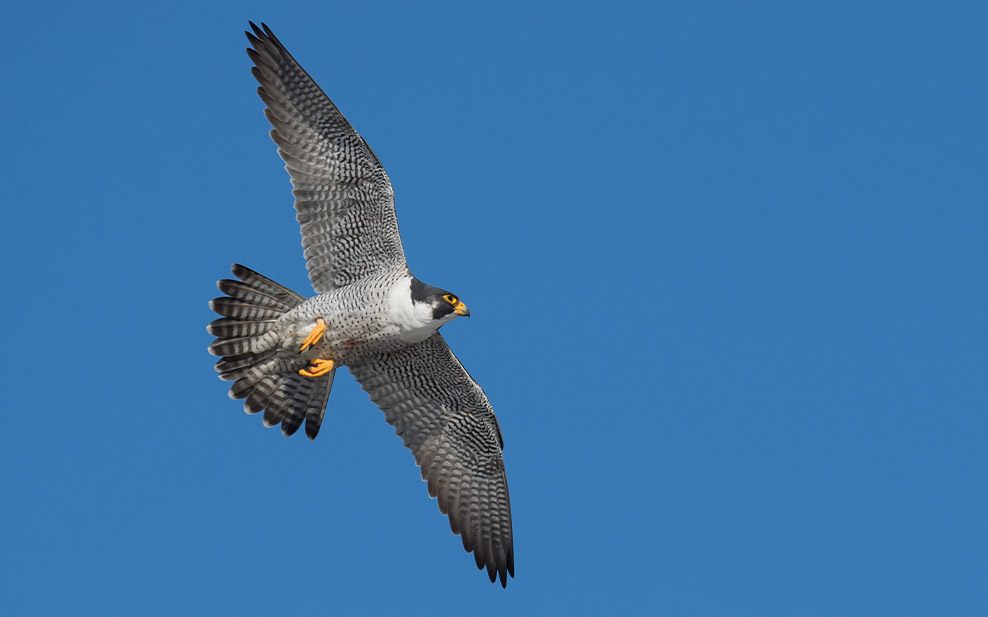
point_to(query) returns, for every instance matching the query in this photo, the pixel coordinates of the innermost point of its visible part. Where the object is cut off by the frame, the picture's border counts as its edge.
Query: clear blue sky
(726, 264)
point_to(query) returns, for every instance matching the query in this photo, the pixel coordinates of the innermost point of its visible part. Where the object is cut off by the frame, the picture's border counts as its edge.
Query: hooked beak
(461, 309)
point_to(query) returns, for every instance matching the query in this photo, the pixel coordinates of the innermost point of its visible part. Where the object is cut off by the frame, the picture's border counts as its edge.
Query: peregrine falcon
(371, 315)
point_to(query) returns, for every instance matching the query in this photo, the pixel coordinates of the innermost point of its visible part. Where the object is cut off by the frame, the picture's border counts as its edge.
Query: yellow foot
(317, 368)
(315, 336)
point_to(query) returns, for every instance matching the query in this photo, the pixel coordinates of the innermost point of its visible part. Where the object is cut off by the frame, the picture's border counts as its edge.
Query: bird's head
(444, 305)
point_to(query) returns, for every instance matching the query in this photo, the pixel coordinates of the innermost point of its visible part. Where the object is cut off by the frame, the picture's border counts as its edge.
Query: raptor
(281, 350)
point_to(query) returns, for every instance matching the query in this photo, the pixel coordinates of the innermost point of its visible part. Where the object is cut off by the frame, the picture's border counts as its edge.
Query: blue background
(726, 263)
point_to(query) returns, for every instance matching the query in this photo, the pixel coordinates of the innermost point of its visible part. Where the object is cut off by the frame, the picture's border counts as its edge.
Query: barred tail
(262, 376)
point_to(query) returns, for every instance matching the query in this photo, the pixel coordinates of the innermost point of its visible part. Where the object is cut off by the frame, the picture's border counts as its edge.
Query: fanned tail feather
(249, 311)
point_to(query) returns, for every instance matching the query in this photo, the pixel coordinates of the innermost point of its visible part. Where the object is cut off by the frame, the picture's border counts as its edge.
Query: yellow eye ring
(451, 299)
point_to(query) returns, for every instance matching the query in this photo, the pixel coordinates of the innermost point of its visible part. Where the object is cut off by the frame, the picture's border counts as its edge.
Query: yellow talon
(317, 368)
(315, 336)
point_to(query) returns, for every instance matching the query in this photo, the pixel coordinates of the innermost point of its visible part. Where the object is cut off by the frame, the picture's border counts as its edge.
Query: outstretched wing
(445, 419)
(343, 196)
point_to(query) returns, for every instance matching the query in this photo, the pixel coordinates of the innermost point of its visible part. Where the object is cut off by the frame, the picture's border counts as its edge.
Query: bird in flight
(281, 350)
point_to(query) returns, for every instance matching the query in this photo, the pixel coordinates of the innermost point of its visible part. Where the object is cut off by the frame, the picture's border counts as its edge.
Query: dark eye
(450, 298)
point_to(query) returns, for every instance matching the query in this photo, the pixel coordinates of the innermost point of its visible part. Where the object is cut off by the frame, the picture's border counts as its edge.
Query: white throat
(413, 320)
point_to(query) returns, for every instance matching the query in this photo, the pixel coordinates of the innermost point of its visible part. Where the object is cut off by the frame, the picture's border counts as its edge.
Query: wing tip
(258, 32)
(498, 570)
(262, 34)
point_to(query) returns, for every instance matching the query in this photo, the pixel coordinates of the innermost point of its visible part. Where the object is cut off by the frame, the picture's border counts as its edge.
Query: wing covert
(445, 419)
(343, 196)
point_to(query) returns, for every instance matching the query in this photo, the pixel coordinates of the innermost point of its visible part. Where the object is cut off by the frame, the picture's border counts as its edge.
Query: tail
(261, 372)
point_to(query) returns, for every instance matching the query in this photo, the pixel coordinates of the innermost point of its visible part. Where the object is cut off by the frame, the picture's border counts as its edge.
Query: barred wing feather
(445, 419)
(343, 197)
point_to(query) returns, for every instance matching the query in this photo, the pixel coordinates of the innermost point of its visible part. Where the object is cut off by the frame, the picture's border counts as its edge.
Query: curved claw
(317, 368)
(315, 335)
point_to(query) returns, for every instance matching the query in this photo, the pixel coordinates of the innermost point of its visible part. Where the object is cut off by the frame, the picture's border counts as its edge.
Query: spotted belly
(360, 319)
(343, 346)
